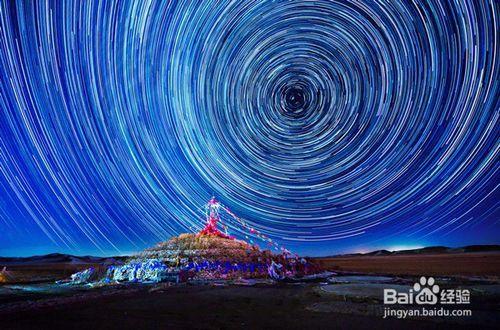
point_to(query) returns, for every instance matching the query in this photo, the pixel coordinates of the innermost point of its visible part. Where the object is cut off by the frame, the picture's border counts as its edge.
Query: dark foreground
(279, 306)
(29, 299)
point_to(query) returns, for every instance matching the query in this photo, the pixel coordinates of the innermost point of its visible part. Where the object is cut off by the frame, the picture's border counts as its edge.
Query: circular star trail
(312, 120)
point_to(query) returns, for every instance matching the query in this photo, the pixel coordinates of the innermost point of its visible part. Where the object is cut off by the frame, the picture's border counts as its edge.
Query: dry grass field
(486, 264)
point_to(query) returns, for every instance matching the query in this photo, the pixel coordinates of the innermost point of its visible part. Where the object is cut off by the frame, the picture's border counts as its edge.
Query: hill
(425, 250)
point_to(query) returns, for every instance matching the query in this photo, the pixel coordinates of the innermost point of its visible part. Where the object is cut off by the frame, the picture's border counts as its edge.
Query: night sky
(326, 126)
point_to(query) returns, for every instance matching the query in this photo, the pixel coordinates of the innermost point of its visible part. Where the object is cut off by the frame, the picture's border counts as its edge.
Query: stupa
(208, 254)
(208, 245)
(212, 211)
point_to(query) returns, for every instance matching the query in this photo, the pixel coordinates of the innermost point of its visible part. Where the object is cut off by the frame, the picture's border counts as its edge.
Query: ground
(319, 305)
(206, 307)
(464, 264)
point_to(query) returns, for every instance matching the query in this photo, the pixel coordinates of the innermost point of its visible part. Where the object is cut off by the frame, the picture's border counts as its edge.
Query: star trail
(323, 124)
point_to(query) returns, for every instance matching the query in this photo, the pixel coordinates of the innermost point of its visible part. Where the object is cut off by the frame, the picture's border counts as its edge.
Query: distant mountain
(425, 250)
(55, 258)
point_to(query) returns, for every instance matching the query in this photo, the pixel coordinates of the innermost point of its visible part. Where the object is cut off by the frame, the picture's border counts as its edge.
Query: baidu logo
(427, 295)
(426, 292)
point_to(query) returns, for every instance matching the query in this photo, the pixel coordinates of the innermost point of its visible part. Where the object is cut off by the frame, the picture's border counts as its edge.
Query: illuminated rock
(4, 278)
(149, 270)
(83, 277)
(275, 271)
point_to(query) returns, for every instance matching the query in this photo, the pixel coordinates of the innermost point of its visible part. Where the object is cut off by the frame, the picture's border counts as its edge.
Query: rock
(149, 270)
(82, 277)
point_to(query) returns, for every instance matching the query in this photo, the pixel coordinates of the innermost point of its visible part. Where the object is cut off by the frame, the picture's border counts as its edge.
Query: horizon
(347, 252)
